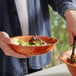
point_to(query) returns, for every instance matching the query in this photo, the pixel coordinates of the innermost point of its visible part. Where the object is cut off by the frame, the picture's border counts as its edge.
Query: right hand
(4, 41)
(70, 16)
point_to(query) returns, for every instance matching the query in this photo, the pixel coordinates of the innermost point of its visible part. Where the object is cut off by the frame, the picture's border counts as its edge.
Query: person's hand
(70, 16)
(4, 41)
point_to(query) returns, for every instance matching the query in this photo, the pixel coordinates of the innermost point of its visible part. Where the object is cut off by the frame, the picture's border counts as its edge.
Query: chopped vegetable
(74, 60)
(34, 41)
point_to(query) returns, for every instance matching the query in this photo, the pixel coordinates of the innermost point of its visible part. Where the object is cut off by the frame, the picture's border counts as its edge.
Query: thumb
(4, 34)
(4, 37)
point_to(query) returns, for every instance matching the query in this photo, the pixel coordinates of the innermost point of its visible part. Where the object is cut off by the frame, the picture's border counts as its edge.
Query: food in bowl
(34, 41)
(65, 57)
(69, 60)
(46, 46)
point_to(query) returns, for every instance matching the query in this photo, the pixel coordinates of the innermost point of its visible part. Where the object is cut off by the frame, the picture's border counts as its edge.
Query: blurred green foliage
(59, 30)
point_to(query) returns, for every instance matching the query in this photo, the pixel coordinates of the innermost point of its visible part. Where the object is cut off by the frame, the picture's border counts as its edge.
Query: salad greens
(32, 42)
(22, 43)
(68, 59)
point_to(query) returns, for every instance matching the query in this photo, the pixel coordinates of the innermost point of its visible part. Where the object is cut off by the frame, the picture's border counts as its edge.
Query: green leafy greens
(32, 42)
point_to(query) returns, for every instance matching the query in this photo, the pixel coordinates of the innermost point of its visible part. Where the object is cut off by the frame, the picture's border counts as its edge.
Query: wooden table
(59, 70)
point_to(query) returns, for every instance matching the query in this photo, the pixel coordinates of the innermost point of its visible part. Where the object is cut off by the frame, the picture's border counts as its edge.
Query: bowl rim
(32, 36)
(61, 58)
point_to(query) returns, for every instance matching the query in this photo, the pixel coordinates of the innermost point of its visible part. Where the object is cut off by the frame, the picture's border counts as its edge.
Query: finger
(6, 40)
(71, 37)
(4, 48)
(14, 53)
(10, 52)
(4, 34)
(18, 56)
(4, 37)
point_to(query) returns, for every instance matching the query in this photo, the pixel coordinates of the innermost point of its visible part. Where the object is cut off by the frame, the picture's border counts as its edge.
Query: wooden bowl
(71, 67)
(33, 50)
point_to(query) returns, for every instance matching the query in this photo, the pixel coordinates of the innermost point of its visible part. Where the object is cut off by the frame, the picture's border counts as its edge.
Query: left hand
(8, 51)
(70, 16)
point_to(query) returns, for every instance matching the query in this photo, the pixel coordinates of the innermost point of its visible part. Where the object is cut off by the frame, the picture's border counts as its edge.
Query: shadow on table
(58, 74)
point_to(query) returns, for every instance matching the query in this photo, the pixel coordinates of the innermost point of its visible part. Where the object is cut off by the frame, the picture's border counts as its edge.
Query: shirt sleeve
(62, 5)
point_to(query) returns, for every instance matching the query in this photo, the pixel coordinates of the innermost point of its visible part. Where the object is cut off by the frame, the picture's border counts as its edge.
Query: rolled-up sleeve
(62, 5)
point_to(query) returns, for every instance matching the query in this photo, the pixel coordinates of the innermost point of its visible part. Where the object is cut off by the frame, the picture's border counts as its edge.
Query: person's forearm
(62, 5)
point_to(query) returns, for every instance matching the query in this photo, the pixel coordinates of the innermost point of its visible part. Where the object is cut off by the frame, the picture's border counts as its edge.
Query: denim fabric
(39, 24)
(62, 5)
(10, 66)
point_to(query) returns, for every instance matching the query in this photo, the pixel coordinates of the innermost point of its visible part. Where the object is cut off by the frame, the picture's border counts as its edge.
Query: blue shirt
(39, 24)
